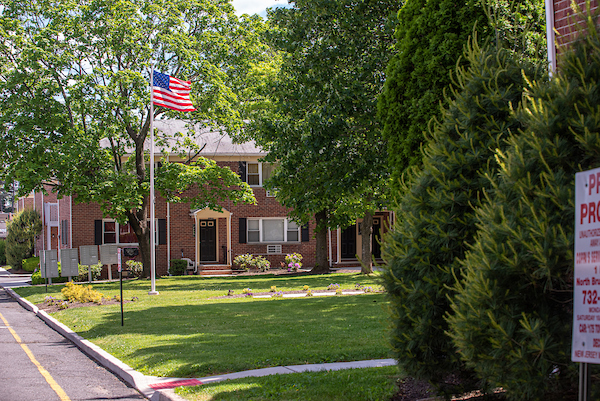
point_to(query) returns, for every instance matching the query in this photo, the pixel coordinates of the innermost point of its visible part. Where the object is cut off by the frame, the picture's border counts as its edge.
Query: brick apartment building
(209, 238)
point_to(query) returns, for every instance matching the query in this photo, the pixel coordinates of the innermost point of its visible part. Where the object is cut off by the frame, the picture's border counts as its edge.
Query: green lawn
(184, 333)
(348, 385)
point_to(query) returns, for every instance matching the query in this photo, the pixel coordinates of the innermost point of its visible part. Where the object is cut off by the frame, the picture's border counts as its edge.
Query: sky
(256, 6)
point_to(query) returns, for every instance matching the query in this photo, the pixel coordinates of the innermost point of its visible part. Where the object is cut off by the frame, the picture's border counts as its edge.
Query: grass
(184, 333)
(349, 385)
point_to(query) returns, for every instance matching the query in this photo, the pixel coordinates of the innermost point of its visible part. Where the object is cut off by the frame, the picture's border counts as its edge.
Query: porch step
(210, 270)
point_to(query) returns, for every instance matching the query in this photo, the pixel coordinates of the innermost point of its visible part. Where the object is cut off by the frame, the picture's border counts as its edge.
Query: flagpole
(152, 199)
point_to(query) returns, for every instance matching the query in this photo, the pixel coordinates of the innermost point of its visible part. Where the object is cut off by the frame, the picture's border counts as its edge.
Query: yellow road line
(57, 389)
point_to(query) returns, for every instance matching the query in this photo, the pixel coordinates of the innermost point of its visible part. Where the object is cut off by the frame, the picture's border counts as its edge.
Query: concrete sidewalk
(161, 388)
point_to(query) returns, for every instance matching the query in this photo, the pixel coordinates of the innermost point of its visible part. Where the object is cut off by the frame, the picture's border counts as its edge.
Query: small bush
(136, 268)
(79, 293)
(2, 252)
(293, 261)
(178, 267)
(83, 273)
(243, 262)
(31, 264)
(261, 263)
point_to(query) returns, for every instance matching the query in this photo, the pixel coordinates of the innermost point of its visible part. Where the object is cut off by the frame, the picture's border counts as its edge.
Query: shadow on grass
(216, 338)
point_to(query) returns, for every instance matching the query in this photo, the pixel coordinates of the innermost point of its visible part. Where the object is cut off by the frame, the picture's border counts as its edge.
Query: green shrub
(36, 277)
(22, 230)
(30, 264)
(512, 314)
(2, 252)
(243, 262)
(136, 268)
(178, 267)
(438, 220)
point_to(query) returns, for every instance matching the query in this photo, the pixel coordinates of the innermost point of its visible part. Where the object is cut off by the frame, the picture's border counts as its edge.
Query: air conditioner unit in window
(273, 248)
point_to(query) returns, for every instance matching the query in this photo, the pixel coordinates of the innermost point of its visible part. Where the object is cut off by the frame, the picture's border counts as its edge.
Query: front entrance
(348, 242)
(376, 238)
(207, 237)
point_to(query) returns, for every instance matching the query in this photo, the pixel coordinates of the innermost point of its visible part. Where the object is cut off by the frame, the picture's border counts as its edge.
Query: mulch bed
(55, 308)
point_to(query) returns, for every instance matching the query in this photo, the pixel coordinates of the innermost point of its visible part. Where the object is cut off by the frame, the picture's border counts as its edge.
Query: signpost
(69, 263)
(586, 286)
(89, 257)
(108, 256)
(119, 268)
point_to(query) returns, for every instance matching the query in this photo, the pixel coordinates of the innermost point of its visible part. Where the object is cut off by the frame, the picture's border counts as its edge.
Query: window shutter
(304, 233)
(97, 232)
(162, 231)
(242, 171)
(242, 230)
(64, 232)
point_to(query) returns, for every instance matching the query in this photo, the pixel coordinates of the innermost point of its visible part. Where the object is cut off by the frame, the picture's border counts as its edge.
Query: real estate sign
(586, 286)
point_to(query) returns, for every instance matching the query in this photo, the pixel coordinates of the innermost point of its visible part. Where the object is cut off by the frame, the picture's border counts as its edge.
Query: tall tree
(321, 127)
(431, 36)
(76, 72)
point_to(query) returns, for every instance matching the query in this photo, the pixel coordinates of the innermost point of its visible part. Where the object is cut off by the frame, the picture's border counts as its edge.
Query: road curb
(134, 378)
(142, 383)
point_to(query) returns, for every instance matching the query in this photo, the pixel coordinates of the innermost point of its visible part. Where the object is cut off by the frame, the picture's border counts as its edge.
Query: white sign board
(69, 262)
(108, 254)
(586, 297)
(49, 265)
(88, 255)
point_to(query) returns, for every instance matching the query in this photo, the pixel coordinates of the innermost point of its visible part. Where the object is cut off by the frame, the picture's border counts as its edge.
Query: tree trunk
(322, 262)
(140, 227)
(366, 262)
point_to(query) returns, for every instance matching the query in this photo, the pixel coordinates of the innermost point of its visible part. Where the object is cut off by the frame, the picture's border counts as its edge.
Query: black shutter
(97, 232)
(242, 171)
(162, 231)
(242, 230)
(304, 233)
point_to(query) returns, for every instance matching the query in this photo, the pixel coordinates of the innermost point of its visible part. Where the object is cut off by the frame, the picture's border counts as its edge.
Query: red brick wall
(565, 20)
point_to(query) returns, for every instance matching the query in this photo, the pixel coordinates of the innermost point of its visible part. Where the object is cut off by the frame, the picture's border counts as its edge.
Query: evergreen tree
(436, 210)
(431, 36)
(20, 239)
(513, 310)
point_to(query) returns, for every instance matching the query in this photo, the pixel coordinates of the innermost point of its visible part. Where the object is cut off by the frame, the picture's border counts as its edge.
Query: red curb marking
(178, 383)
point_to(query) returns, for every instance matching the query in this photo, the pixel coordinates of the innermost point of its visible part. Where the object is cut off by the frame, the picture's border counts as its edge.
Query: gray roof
(215, 143)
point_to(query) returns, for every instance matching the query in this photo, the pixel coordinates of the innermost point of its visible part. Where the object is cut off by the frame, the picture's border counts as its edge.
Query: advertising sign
(69, 262)
(586, 286)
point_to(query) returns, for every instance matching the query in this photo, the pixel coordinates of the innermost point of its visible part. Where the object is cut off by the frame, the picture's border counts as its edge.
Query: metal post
(584, 380)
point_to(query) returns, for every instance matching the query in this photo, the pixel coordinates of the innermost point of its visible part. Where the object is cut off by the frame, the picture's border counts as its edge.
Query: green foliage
(178, 267)
(512, 314)
(36, 277)
(248, 261)
(75, 101)
(2, 252)
(30, 264)
(320, 124)
(438, 220)
(431, 36)
(20, 240)
(135, 267)
(80, 293)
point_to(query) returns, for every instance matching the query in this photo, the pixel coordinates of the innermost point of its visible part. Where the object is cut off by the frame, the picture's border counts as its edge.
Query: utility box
(49, 263)
(88, 255)
(69, 262)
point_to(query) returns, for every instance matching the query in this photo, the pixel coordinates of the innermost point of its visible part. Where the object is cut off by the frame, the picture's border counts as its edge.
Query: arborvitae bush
(512, 314)
(436, 212)
(20, 239)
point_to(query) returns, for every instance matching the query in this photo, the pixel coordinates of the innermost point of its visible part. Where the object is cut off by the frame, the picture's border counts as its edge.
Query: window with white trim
(272, 230)
(110, 228)
(257, 173)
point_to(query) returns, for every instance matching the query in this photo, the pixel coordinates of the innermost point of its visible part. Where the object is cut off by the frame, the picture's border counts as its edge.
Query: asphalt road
(38, 364)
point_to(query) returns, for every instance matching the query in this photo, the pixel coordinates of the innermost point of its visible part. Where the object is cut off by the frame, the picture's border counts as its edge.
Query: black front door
(348, 242)
(376, 239)
(208, 240)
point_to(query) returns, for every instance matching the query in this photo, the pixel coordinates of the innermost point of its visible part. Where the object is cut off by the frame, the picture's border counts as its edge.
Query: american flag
(171, 92)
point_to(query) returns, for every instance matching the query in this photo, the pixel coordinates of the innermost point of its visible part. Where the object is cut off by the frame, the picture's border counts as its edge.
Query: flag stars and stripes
(171, 92)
